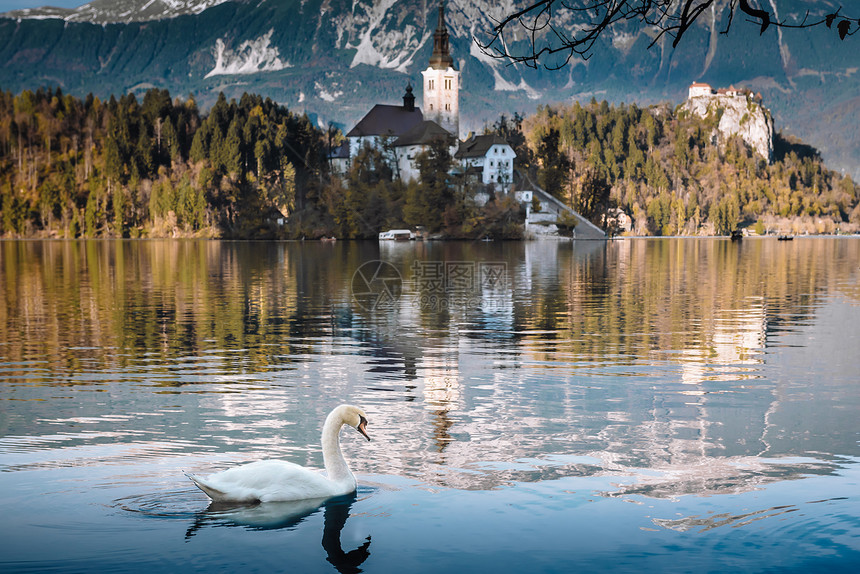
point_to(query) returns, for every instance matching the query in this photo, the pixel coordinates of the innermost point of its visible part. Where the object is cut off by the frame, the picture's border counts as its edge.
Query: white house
(698, 89)
(490, 158)
(416, 140)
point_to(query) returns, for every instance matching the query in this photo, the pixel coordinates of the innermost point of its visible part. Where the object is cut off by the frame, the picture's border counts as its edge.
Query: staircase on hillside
(541, 224)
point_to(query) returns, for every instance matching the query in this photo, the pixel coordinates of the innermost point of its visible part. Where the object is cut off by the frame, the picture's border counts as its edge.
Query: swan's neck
(335, 464)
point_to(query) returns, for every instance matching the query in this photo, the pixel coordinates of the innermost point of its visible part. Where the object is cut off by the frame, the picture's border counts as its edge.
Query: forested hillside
(254, 169)
(249, 169)
(124, 168)
(670, 172)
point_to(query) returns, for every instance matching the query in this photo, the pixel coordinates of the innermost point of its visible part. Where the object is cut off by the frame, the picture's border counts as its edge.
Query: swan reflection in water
(280, 515)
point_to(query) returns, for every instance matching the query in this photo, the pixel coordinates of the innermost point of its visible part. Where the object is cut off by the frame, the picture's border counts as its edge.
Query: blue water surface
(672, 405)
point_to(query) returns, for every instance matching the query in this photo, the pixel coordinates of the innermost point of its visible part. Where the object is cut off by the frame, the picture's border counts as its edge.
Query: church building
(409, 130)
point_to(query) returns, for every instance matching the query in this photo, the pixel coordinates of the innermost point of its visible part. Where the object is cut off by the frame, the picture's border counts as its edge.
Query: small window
(447, 83)
(430, 85)
(431, 107)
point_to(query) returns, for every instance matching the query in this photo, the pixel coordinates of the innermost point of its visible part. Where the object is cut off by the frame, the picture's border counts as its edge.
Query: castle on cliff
(739, 112)
(699, 89)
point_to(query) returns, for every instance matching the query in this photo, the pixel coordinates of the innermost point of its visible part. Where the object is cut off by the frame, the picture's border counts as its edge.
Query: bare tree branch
(558, 30)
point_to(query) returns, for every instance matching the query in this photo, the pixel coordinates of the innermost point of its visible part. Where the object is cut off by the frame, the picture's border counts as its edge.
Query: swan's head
(354, 417)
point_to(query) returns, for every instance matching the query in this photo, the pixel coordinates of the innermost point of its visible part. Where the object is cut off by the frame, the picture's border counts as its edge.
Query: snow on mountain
(250, 57)
(388, 34)
(123, 11)
(335, 58)
(325, 95)
(382, 33)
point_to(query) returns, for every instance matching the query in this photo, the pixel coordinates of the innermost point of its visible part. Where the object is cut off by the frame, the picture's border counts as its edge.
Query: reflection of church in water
(704, 416)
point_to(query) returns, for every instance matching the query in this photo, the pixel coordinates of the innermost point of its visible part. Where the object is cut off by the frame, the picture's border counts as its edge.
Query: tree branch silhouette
(558, 30)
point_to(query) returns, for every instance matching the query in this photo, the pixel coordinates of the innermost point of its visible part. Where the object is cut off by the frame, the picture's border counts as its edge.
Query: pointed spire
(441, 58)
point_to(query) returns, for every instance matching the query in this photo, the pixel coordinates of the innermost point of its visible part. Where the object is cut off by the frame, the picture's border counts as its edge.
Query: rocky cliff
(741, 115)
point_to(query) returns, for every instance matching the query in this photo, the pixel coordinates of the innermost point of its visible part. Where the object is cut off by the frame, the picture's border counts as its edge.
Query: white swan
(276, 480)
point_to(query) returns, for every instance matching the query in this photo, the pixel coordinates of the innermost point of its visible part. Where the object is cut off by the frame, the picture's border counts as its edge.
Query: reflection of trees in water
(178, 297)
(701, 311)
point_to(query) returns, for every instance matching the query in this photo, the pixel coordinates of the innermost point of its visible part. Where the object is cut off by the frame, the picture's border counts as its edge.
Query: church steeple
(441, 58)
(442, 82)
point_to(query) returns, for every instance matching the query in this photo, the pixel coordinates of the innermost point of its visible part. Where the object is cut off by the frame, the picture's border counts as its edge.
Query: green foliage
(432, 204)
(566, 223)
(555, 167)
(725, 215)
(364, 208)
(668, 162)
(499, 218)
(158, 167)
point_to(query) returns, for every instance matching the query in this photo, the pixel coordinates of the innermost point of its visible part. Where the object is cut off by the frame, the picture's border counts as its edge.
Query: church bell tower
(442, 82)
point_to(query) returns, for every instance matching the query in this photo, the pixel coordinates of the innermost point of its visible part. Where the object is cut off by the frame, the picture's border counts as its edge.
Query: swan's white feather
(270, 480)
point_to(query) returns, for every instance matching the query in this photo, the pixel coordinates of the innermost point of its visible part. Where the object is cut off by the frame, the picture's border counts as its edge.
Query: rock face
(738, 114)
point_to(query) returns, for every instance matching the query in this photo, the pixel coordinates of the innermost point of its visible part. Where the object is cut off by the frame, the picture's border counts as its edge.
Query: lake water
(673, 405)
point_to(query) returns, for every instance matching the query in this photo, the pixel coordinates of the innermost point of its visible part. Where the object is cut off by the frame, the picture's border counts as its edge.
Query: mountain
(113, 11)
(336, 58)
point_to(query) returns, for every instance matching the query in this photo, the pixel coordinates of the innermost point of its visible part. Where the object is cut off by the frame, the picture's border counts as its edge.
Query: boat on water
(396, 235)
(784, 237)
(737, 235)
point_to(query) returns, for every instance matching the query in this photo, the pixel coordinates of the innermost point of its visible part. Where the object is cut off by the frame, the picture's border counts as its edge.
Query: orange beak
(362, 428)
